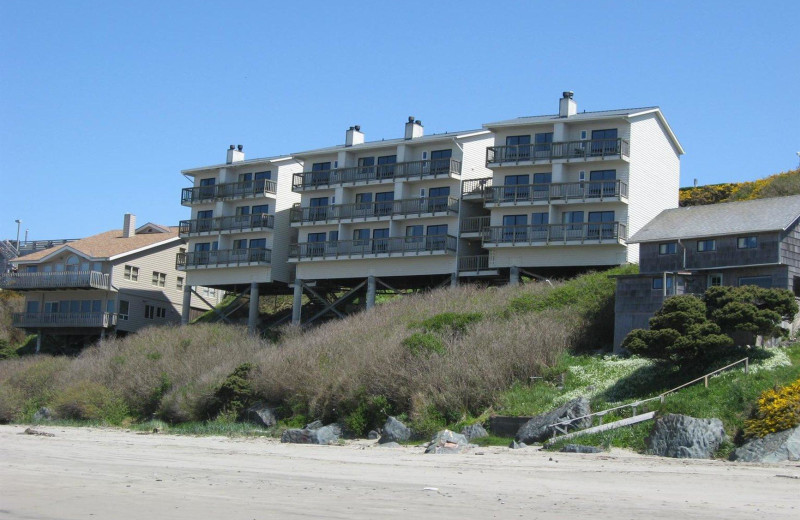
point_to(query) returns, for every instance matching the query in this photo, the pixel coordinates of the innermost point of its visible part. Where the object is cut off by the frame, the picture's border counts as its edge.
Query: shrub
(370, 411)
(450, 322)
(424, 344)
(11, 404)
(90, 401)
(234, 394)
(777, 410)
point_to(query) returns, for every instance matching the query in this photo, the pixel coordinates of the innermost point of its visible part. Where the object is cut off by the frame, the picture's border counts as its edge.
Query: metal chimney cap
(410, 119)
(568, 94)
(232, 147)
(239, 147)
(418, 122)
(358, 128)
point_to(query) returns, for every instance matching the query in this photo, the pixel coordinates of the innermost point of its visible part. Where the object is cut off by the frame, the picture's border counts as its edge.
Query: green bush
(369, 412)
(12, 403)
(90, 401)
(234, 394)
(450, 322)
(424, 344)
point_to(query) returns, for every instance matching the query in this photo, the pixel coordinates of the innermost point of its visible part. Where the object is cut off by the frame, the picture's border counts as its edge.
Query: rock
(538, 428)
(31, 431)
(373, 434)
(260, 414)
(389, 445)
(316, 425)
(517, 445)
(324, 435)
(447, 441)
(394, 431)
(474, 431)
(685, 437)
(775, 447)
(580, 448)
(43, 414)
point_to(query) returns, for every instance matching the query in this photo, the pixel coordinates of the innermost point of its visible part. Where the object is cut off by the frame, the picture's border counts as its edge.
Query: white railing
(55, 280)
(64, 319)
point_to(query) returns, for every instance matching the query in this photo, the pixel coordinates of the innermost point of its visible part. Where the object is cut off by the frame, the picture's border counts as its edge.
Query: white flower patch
(600, 376)
(779, 359)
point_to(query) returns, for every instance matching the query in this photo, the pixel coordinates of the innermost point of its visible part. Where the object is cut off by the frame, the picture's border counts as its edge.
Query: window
(159, 279)
(318, 208)
(541, 185)
(760, 281)
(380, 240)
(715, 280)
(366, 166)
(604, 142)
(516, 187)
(437, 199)
(437, 237)
(543, 142)
(360, 237)
(258, 243)
(384, 203)
(316, 243)
(363, 205)
(259, 176)
(239, 243)
(413, 234)
(658, 283)
(149, 312)
(601, 224)
(123, 309)
(747, 242)
(245, 177)
(131, 273)
(30, 268)
(242, 211)
(207, 188)
(32, 307)
(706, 245)
(386, 166)
(514, 227)
(321, 173)
(440, 161)
(161, 312)
(179, 283)
(670, 248)
(261, 209)
(519, 147)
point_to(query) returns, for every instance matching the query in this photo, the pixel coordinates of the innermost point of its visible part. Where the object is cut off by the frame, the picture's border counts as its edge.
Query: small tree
(750, 309)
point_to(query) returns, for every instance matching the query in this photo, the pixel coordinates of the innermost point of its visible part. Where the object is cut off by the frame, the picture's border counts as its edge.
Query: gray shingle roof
(752, 216)
(580, 116)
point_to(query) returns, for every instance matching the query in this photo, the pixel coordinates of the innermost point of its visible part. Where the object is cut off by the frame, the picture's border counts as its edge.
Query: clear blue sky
(102, 104)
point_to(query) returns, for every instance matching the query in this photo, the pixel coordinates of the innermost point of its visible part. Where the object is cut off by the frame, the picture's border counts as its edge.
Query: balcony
(228, 191)
(475, 266)
(555, 234)
(54, 281)
(588, 150)
(233, 224)
(548, 193)
(472, 227)
(374, 248)
(223, 258)
(103, 320)
(474, 188)
(385, 210)
(429, 169)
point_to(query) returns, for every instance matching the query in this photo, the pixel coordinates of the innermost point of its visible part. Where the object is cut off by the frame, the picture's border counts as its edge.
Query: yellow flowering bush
(778, 410)
(778, 185)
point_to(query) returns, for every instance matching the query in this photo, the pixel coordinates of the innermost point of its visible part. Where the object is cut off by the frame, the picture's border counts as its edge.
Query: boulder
(261, 414)
(474, 431)
(517, 445)
(685, 437)
(43, 414)
(324, 435)
(580, 448)
(389, 445)
(394, 431)
(373, 435)
(775, 447)
(447, 441)
(538, 428)
(316, 425)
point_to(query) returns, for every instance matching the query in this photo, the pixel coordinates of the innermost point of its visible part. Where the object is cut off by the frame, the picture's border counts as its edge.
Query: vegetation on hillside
(778, 185)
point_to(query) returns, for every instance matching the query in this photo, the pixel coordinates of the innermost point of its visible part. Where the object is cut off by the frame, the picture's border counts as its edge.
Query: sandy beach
(84, 473)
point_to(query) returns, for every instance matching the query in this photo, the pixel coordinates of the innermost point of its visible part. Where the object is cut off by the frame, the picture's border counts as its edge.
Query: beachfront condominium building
(114, 282)
(238, 235)
(566, 190)
(384, 209)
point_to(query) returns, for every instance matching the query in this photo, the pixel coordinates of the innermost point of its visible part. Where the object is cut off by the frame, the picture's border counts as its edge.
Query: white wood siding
(396, 266)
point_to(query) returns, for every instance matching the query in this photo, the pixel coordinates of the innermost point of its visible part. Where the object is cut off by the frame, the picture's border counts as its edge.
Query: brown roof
(105, 245)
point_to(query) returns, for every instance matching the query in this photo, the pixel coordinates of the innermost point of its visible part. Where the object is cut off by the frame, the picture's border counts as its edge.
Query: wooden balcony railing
(365, 210)
(55, 280)
(475, 186)
(393, 246)
(588, 149)
(474, 224)
(473, 263)
(64, 319)
(232, 223)
(549, 192)
(223, 258)
(430, 168)
(578, 233)
(228, 190)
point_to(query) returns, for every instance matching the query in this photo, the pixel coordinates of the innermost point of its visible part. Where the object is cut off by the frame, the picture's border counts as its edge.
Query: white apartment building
(567, 190)
(239, 234)
(115, 282)
(383, 209)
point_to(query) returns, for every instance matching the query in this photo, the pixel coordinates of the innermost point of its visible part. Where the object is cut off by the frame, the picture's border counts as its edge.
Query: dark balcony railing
(228, 190)
(393, 246)
(380, 173)
(475, 186)
(232, 223)
(365, 210)
(548, 192)
(473, 263)
(474, 224)
(64, 319)
(587, 232)
(57, 280)
(588, 149)
(223, 258)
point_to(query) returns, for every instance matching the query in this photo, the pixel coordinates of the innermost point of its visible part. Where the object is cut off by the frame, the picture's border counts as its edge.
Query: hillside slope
(778, 185)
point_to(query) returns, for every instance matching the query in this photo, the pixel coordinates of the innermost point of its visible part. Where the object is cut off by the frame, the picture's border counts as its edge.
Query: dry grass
(10, 302)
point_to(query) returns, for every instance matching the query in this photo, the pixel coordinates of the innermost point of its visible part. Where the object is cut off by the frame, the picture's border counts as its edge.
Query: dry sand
(116, 474)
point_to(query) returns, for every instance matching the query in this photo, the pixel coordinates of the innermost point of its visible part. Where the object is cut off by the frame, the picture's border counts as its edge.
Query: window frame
(668, 248)
(131, 273)
(711, 241)
(750, 242)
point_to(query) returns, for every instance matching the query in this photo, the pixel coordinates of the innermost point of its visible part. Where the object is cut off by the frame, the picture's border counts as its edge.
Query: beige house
(115, 282)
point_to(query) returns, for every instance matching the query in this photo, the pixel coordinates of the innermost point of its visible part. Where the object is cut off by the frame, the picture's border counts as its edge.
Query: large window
(380, 240)
(602, 183)
(760, 281)
(517, 187)
(414, 234)
(131, 273)
(366, 167)
(514, 227)
(747, 242)
(601, 224)
(319, 208)
(321, 172)
(541, 185)
(519, 147)
(386, 166)
(658, 283)
(544, 141)
(316, 244)
(440, 161)
(604, 142)
(669, 248)
(124, 307)
(437, 199)
(706, 245)
(436, 237)
(384, 202)
(360, 237)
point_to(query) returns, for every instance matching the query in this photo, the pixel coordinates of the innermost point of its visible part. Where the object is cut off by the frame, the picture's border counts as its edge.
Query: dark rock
(316, 425)
(31, 431)
(685, 437)
(394, 431)
(324, 435)
(261, 414)
(389, 445)
(447, 441)
(43, 414)
(373, 435)
(474, 431)
(580, 448)
(775, 447)
(538, 428)
(517, 445)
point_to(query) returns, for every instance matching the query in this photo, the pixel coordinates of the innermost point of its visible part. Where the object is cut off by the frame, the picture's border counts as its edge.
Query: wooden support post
(297, 304)
(187, 304)
(513, 276)
(705, 381)
(38, 340)
(370, 292)
(252, 317)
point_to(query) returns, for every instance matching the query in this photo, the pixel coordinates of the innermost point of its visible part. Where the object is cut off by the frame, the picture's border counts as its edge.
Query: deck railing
(473, 263)
(55, 280)
(548, 192)
(392, 246)
(587, 232)
(475, 186)
(230, 223)
(365, 210)
(378, 173)
(64, 319)
(223, 258)
(228, 190)
(474, 224)
(587, 149)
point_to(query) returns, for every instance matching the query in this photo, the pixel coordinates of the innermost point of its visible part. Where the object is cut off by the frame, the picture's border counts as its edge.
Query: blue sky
(103, 103)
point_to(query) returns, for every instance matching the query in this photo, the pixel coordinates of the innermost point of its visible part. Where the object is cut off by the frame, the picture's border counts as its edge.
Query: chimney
(129, 225)
(414, 128)
(235, 154)
(353, 136)
(566, 105)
